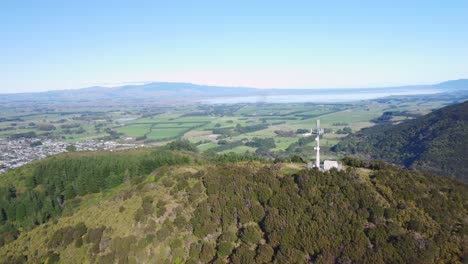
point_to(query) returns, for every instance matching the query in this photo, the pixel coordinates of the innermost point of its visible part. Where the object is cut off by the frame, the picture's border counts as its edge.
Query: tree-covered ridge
(245, 211)
(32, 195)
(435, 143)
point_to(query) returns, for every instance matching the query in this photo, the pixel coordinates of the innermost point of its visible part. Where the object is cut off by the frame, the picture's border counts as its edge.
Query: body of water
(319, 96)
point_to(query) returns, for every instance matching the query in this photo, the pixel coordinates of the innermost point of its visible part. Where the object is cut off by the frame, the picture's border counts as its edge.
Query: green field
(239, 150)
(135, 130)
(227, 128)
(164, 133)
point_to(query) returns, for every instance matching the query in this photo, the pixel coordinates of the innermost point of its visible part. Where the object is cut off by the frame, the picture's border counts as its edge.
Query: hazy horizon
(116, 85)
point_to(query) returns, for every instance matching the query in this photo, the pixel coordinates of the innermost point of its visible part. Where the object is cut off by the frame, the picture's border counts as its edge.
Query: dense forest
(34, 194)
(178, 206)
(435, 143)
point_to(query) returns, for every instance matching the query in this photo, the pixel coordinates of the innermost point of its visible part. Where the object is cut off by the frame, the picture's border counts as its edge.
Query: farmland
(237, 128)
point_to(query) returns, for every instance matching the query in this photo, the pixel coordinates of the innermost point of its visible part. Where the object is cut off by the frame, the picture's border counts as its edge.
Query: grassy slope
(114, 209)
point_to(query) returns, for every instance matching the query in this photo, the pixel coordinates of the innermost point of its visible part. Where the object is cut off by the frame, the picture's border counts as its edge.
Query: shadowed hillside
(435, 143)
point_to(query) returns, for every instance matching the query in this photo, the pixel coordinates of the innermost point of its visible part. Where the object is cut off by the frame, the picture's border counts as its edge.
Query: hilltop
(178, 206)
(435, 143)
(460, 84)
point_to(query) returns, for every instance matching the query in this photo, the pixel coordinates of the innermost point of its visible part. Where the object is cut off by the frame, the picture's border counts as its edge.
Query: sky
(49, 45)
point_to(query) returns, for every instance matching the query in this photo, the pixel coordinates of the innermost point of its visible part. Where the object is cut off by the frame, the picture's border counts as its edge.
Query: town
(18, 152)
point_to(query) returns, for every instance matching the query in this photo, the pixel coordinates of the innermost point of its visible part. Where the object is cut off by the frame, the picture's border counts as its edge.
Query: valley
(216, 128)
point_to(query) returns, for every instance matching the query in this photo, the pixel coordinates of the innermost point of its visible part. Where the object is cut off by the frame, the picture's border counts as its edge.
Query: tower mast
(317, 148)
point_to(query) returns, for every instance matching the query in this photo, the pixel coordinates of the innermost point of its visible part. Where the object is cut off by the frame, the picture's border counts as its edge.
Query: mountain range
(165, 91)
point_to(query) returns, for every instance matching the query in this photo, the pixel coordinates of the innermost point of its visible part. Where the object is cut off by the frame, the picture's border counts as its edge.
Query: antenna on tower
(317, 148)
(327, 164)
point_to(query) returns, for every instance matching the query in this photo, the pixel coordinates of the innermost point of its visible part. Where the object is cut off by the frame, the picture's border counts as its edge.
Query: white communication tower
(317, 148)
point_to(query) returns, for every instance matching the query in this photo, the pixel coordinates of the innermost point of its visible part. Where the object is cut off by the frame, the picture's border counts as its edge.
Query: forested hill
(177, 206)
(435, 143)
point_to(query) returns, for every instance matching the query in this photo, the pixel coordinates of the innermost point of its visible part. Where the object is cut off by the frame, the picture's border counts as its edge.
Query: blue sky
(47, 45)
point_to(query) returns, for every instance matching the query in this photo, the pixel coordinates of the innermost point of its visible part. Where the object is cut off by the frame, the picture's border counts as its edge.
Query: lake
(319, 96)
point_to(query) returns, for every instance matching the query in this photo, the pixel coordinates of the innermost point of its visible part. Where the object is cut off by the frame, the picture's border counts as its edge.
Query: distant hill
(152, 91)
(184, 92)
(435, 143)
(138, 206)
(461, 84)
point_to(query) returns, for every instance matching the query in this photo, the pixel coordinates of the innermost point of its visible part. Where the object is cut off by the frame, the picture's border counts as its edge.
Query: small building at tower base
(326, 165)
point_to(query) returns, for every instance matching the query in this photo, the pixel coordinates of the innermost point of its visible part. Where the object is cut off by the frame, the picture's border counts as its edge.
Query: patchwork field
(269, 129)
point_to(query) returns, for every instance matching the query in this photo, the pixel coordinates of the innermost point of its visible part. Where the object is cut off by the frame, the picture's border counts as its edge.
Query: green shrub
(263, 193)
(109, 258)
(51, 257)
(290, 255)
(390, 213)
(160, 208)
(245, 215)
(160, 211)
(207, 252)
(181, 185)
(68, 236)
(415, 225)
(149, 238)
(251, 234)
(165, 230)
(139, 215)
(224, 248)
(122, 246)
(264, 254)
(79, 242)
(219, 261)
(56, 239)
(180, 222)
(182, 145)
(194, 253)
(228, 236)
(257, 212)
(167, 182)
(147, 205)
(94, 235)
(175, 243)
(243, 254)
(8, 233)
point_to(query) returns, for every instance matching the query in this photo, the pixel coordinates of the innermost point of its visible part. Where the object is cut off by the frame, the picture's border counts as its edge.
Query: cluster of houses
(18, 152)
